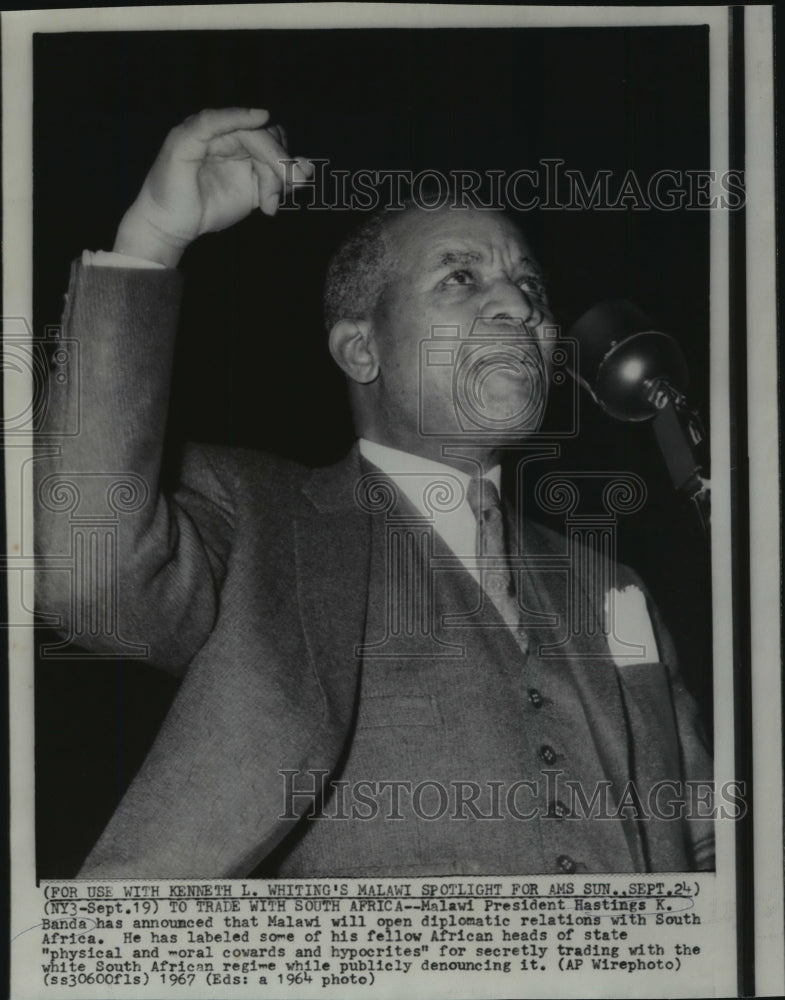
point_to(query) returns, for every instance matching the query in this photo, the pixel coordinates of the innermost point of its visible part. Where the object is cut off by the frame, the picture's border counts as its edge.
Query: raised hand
(212, 171)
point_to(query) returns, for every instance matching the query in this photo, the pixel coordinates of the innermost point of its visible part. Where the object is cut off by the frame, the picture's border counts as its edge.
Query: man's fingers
(233, 132)
(203, 168)
(269, 187)
(264, 149)
(190, 139)
(281, 135)
(306, 167)
(211, 123)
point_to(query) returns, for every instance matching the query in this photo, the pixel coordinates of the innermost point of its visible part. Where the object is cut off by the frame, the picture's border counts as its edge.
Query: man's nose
(505, 300)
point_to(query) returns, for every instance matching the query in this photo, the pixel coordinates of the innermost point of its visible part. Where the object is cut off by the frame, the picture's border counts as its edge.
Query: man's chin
(513, 406)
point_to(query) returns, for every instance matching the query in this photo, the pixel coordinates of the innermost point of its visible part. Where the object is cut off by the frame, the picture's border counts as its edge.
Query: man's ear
(352, 348)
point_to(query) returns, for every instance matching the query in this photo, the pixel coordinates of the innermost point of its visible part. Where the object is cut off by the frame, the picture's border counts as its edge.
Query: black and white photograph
(386, 401)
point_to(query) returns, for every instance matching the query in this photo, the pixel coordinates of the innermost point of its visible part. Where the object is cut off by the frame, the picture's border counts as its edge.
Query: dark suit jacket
(253, 575)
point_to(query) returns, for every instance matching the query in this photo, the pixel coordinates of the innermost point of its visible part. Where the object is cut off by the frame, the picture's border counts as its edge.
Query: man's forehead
(458, 231)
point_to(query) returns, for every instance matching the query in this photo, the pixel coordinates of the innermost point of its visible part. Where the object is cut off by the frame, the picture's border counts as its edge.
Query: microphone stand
(677, 430)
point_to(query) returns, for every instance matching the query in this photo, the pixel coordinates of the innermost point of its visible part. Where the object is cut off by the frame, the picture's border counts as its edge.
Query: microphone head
(621, 357)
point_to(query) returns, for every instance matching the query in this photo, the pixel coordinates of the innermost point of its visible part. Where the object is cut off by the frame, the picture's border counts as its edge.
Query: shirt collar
(456, 525)
(395, 462)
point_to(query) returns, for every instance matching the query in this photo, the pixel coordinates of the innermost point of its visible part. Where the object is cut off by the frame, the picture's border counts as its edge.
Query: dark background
(252, 366)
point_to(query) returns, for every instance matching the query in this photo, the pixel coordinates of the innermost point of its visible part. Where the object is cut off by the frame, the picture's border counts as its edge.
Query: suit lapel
(332, 553)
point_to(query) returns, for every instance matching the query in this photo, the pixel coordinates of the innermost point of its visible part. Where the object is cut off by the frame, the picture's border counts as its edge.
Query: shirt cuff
(103, 258)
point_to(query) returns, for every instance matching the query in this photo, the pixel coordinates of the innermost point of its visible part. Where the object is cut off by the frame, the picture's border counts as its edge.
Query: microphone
(637, 373)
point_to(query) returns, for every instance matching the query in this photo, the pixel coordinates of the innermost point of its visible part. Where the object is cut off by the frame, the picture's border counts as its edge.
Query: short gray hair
(358, 271)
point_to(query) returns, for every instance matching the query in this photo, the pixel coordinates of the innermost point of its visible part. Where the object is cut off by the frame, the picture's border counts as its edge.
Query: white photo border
(17, 34)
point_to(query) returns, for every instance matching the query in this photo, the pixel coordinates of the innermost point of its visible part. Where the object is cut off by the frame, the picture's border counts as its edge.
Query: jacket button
(565, 862)
(557, 810)
(535, 698)
(548, 754)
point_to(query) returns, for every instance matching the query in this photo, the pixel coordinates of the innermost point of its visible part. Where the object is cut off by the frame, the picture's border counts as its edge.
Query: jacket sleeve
(122, 565)
(693, 771)
(696, 760)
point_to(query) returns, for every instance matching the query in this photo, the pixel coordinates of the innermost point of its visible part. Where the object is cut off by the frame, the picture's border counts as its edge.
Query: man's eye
(462, 277)
(533, 286)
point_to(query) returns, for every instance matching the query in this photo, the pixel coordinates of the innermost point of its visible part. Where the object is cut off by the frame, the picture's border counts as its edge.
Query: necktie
(497, 579)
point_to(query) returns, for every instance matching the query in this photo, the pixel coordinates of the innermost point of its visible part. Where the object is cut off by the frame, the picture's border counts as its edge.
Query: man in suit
(385, 670)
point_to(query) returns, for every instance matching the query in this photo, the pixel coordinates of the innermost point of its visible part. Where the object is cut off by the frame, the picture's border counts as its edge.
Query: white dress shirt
(413, 475)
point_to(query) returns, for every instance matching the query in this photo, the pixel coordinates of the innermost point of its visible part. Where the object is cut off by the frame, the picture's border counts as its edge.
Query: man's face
(465, 275)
